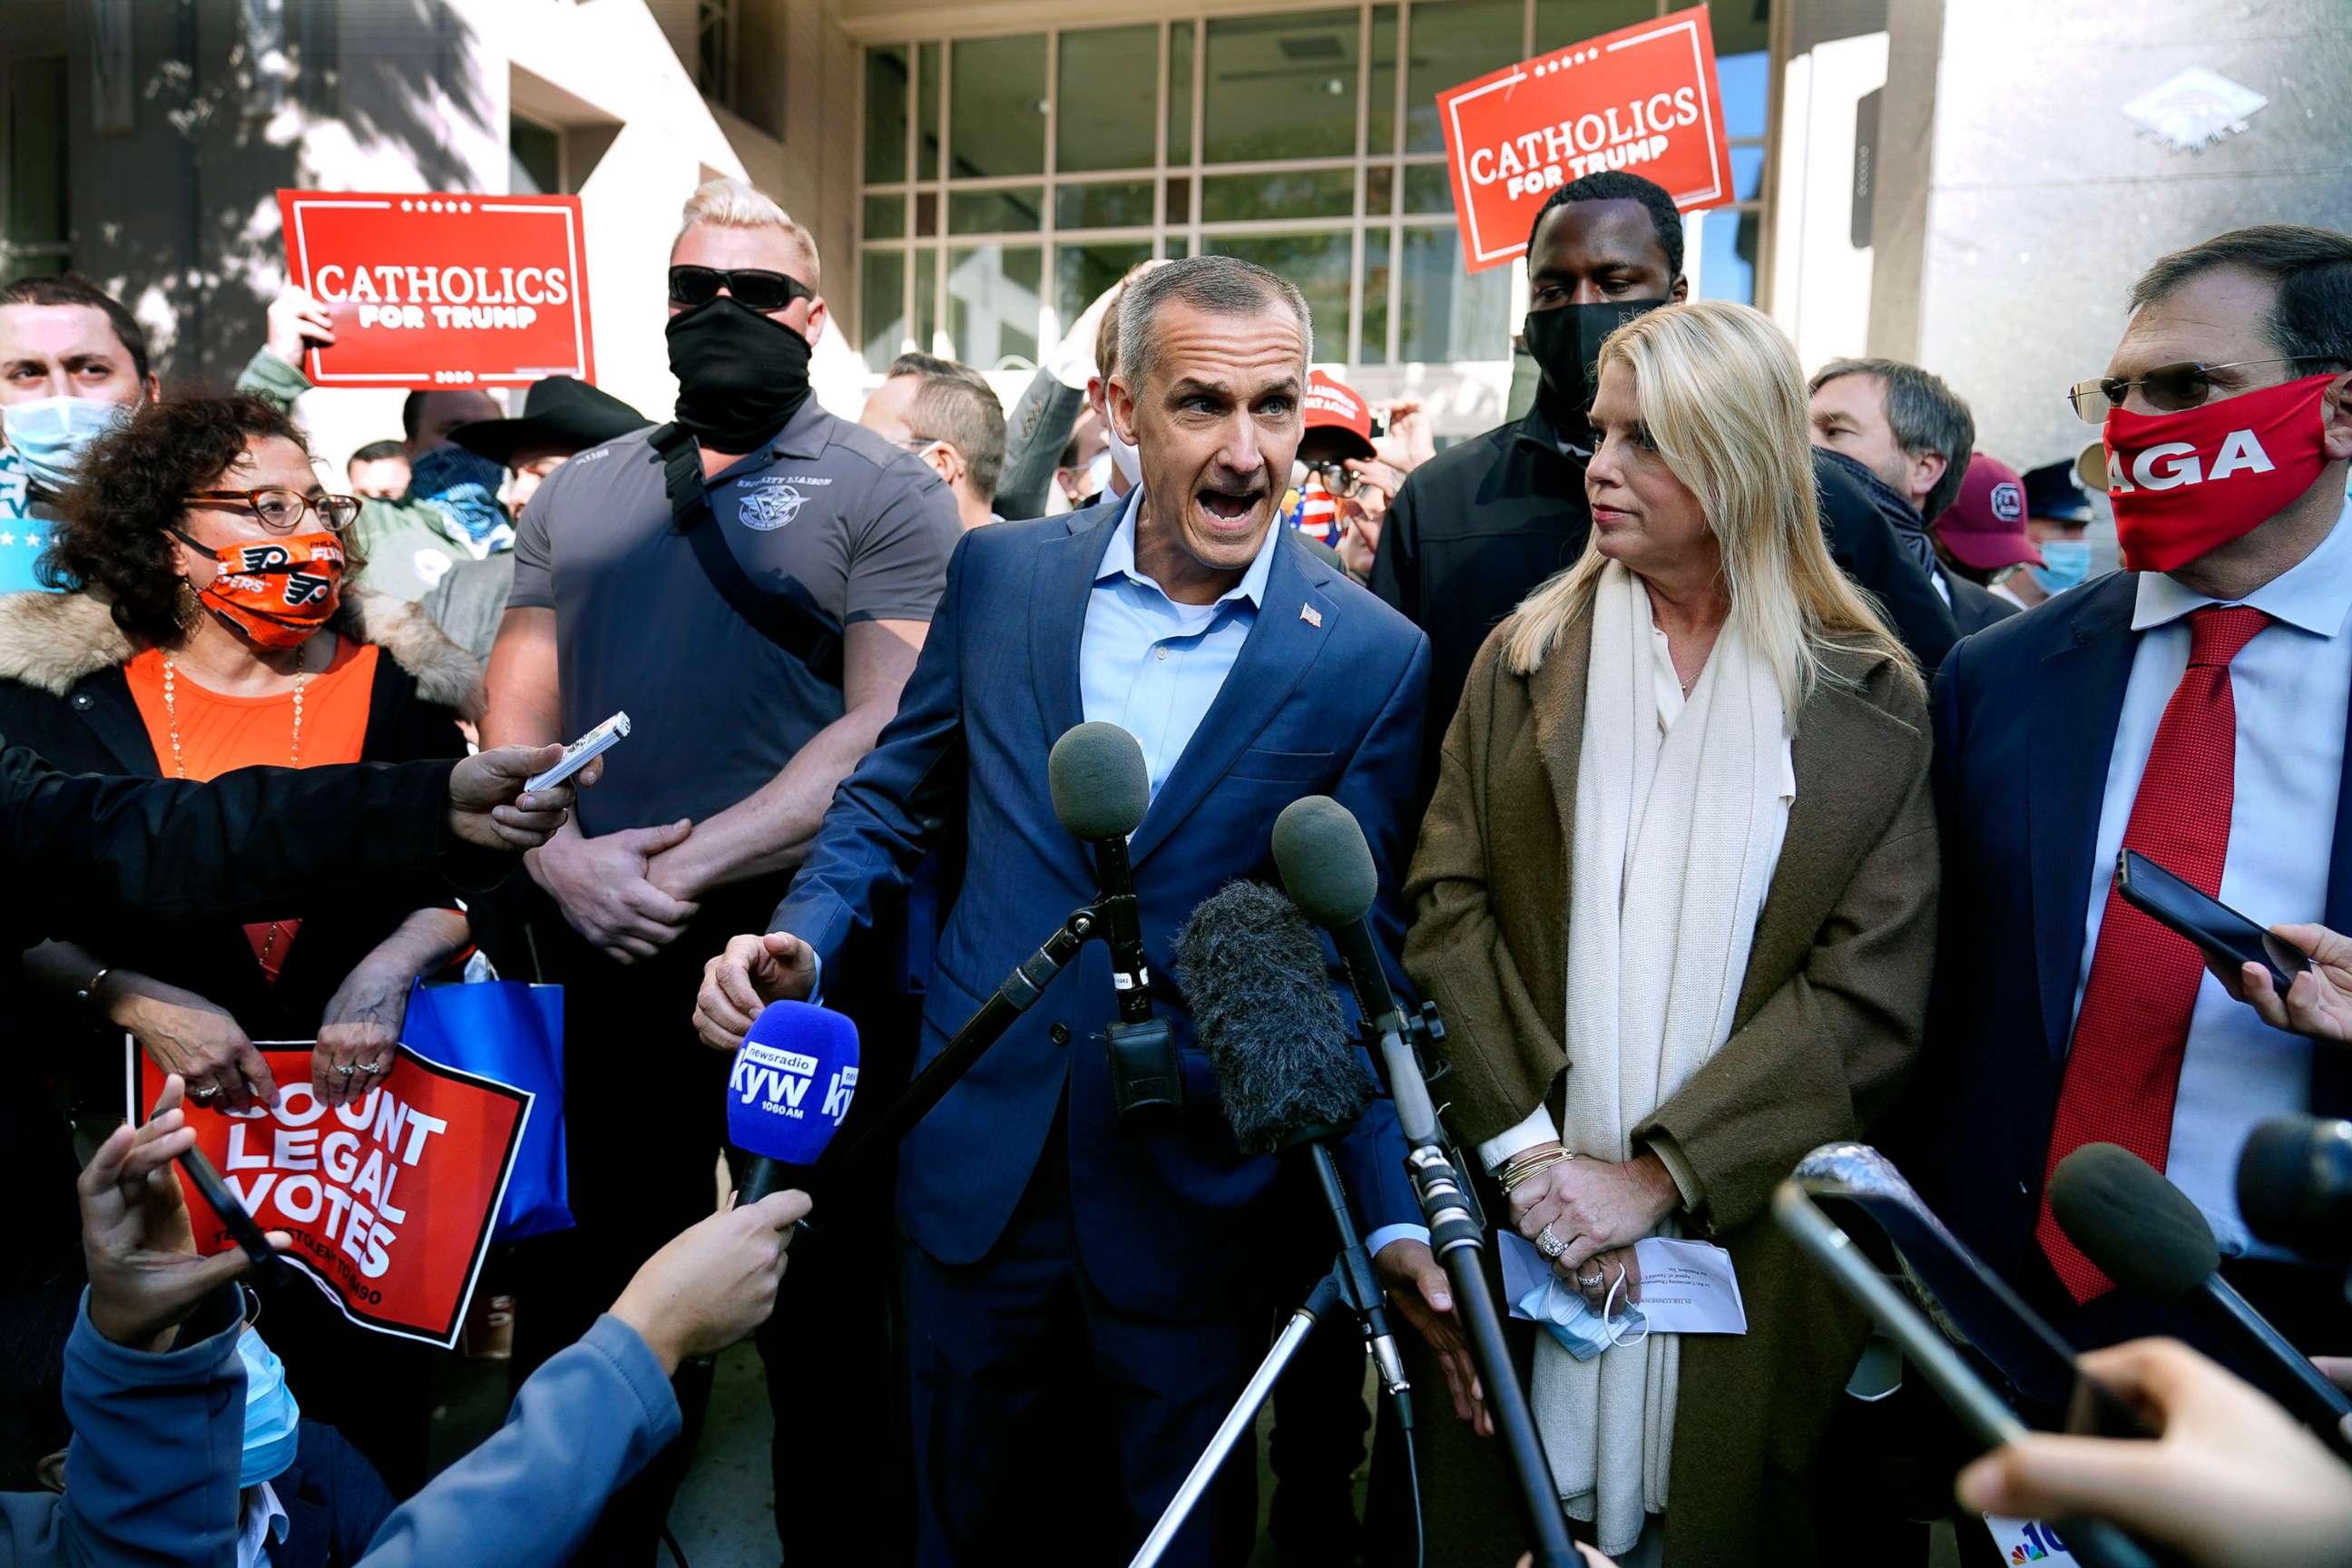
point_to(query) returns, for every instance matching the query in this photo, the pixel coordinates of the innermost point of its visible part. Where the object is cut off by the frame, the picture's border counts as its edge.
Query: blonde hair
(1721, 394)
(739, 204)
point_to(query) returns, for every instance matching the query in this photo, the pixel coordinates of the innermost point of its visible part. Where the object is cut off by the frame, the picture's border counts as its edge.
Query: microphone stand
(1351, 1283)
(1458, 1237)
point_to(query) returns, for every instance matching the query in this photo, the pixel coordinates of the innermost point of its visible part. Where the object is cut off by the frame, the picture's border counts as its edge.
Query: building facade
(1971, 184)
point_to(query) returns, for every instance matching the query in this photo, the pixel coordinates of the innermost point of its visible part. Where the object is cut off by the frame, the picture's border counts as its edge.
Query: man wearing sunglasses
(2192, 707)
(751, 583)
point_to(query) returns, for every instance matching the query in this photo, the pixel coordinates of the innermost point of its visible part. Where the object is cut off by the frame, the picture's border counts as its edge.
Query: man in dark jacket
(1484, 521)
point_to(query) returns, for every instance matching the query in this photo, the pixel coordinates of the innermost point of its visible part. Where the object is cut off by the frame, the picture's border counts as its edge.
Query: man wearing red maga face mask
(2194, 708)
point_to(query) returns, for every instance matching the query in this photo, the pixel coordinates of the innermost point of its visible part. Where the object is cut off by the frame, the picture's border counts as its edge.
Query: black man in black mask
(751, 584)
(1485, 521)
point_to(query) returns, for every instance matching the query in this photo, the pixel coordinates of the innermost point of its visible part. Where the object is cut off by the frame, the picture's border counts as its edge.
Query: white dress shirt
(265, 1524)
(2292, 683)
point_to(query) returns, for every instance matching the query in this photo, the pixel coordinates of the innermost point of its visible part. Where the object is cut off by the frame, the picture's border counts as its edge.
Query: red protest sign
(390, 1199)
(1642, 99)
(442, 291)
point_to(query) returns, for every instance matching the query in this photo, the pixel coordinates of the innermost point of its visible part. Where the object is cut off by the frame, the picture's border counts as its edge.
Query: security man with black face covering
(1481, 524)
(751, 583)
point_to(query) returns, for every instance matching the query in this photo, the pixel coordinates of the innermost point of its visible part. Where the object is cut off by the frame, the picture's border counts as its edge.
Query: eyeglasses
(751, 287)
(1337, 478)
(281, 510)
(2169, 387)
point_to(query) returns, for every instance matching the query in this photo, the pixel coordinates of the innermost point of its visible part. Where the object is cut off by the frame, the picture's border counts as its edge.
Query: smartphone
(224, 1202)
(2220, 933)
(582, 752)
(1987, 1417)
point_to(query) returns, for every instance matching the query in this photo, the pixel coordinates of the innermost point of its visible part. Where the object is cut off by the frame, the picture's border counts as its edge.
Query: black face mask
(1566, 344)
(741, 375)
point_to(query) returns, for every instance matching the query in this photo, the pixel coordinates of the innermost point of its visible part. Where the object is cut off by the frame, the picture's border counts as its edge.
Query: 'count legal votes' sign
(442, 291)
(1642, 99)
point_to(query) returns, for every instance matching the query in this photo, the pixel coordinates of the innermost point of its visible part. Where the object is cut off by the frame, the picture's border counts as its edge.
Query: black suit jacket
(1975, 608)
(2025, 716)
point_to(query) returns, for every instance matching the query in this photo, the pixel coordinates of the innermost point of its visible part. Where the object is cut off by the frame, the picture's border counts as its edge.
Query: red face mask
(278, 592)
(2187, 483)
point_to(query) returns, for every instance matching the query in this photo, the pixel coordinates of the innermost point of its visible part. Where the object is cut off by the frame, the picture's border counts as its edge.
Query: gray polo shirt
(853, 527)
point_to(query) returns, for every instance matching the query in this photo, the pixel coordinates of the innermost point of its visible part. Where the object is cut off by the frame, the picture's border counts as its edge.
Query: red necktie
(2124, 1072)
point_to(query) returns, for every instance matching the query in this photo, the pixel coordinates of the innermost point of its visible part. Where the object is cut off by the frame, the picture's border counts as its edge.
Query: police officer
(751, 584)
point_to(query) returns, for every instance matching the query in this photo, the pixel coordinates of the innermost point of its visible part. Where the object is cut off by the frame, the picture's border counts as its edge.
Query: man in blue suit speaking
(1083, 1302)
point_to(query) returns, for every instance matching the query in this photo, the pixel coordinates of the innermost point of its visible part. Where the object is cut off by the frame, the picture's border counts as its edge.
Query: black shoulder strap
(779, 617)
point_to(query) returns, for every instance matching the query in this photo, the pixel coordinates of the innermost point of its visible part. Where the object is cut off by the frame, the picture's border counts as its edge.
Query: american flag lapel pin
(1312, 615)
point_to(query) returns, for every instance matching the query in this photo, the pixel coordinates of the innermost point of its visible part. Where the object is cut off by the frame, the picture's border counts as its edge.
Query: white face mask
(1098, 474)
(1125, 457)
(49, 434)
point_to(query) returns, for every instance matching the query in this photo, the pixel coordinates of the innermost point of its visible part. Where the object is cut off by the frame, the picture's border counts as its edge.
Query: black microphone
(1327, 867)
(2146, 1235)
(1253, 976)
(1101, 788)
(2295, 1185)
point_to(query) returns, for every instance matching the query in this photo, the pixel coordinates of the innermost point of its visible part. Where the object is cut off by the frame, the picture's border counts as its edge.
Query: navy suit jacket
(1323, 704)
(2025, 715)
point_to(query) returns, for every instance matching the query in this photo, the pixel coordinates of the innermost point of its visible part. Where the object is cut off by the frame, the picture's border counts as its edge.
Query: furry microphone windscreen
(1253, 973)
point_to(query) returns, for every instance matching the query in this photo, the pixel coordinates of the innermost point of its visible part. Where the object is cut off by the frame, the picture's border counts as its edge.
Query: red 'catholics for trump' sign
(1642, 99)
(390, 1198)
(440, 290)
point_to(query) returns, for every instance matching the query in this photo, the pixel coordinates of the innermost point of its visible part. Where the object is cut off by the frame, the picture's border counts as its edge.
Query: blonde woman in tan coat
(1676, 898)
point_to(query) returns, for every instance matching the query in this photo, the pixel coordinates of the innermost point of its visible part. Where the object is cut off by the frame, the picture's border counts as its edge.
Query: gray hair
(956, 404)
(2312, 316)
(1217, 285)
(1925, 414)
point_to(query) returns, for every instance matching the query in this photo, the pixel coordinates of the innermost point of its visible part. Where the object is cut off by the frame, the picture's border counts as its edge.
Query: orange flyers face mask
(278, 592)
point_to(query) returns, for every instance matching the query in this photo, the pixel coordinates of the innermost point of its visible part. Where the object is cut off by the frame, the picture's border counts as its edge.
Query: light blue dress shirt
(1153, 667)
(2291, 685)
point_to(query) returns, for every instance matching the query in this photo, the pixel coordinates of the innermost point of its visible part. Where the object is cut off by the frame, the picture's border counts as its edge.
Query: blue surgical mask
(49, 434)
(2065, 562)
(272, 1419)
(463, 487)
(1581, 1331)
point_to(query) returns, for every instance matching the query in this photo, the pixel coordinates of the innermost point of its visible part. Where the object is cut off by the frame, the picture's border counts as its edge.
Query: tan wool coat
(1829, 1020)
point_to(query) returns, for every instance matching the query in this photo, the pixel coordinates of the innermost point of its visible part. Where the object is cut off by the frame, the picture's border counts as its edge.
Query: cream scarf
(1676, 836)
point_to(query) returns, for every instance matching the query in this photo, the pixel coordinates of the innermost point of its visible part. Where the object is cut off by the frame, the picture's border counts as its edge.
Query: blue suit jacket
(2025, 715)
(1170, 1224)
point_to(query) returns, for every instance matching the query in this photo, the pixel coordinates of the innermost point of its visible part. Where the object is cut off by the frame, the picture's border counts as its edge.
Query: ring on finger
(206, 1092)
(372, 1069)
(345, 1070)
(1549, 1244)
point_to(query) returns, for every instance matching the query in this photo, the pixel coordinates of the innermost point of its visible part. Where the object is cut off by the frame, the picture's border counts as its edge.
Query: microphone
(2295, 1185)
(1261, 1000)
(1101, 788)
(1328, 867)
(2146, 1235)
(793, 1078)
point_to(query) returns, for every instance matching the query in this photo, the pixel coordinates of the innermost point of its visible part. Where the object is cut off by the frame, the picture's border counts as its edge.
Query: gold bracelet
(1529, 1165)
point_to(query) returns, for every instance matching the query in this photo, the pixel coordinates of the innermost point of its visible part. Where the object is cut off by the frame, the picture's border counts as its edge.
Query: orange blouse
(219, 733)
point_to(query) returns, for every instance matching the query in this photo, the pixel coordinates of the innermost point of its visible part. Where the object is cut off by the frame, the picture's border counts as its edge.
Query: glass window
(1122, 204)
(1449, 314)
(927, 295)
(1747, 173)
(993, 301)
(1317, 263)
(1021, 210)
(1428, 188)
(927, 112)
(1106, 73)
(881, 301)
(1177, 206)
(1380, 190)
(886, 115)
(534, 158)
(1374, 349)
(1452, 44)
(886, 217)
(1280, 87)
(1083, 271)
(1285, 193)
(1180, 91)
(1379, 134)
(996, 107)
(1559, 23)
(1746, 81)
(1729, 239)
(33, 237)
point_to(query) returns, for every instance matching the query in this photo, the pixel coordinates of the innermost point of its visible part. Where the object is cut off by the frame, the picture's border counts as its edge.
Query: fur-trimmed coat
(63, 693)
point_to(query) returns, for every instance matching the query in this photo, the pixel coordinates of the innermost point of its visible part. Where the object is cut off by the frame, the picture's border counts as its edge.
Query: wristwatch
(86, 997)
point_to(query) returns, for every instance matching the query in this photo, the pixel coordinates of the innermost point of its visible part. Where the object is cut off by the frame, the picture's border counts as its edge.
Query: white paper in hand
(1689, 1287)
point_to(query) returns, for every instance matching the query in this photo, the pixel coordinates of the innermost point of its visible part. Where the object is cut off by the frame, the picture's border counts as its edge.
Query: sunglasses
(751, 287)
(2169, 388)
(281, 510)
